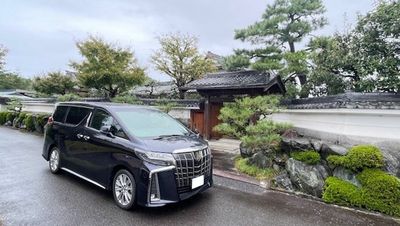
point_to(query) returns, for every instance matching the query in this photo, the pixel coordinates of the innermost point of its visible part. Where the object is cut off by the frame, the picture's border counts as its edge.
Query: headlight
(156, 158)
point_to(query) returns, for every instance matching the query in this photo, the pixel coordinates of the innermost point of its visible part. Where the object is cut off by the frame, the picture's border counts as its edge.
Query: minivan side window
(76, 115)
(101, 118)
(59, 113)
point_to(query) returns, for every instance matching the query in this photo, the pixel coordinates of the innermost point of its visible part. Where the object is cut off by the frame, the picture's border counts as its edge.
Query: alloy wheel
(123, 189)
(54, 160)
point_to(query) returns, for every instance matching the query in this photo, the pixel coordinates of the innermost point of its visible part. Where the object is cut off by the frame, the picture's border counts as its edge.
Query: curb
(236, 176)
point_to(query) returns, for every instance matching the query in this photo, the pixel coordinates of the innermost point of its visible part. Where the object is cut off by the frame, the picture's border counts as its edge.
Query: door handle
(79, 135)
(86, 137)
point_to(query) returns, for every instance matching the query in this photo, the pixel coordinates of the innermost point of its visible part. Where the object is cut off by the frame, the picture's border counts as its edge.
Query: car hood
(170, 144)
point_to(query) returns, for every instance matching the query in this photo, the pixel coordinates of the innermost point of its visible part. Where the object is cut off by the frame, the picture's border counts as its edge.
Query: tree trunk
(291, 47)
(181, 94)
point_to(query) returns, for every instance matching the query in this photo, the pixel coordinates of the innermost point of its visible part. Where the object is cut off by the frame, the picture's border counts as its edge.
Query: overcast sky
(40, 35)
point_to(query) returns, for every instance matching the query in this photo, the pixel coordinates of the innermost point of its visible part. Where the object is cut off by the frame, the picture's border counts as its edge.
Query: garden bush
(247, 119)
(243, 166)
(10, 116)
(358, 158)
(368, 196)
(29, 122)
(308, 157)
(3, 117)
(380, 185)
(41, 119)
(341, 192)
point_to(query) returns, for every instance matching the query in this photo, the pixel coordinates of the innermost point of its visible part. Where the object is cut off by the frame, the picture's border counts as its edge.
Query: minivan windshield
(145, 123)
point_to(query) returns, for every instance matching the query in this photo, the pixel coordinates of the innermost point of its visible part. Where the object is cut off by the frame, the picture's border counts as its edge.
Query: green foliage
(107, 68)
(359, 157)
(363, 60)
(246, 119)
(126, 99)
(381, 185)
(283, 24)
(41, 119)
(341, 192)
(10, 116)
(21, 116)
(3, 117)
(309, 157)
(3, 52)
(180, 59)
(54, 83)
(380, 192)
(243, 166)
(9, 80)
(68, 97)
(14, 105)
(235, 62)
(264, 135)
(237, 116)
(29, 122)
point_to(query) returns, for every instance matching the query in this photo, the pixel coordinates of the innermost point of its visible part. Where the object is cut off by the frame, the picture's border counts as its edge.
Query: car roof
(106, 105)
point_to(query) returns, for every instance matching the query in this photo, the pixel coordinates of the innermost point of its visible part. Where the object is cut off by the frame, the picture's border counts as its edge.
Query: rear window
(59, 114)
(76, 115)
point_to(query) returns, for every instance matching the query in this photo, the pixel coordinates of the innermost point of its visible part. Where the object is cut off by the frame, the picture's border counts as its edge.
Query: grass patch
(243, 166)
(308, 157)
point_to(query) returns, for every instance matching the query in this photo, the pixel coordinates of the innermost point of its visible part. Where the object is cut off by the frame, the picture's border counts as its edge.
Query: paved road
(31, 195)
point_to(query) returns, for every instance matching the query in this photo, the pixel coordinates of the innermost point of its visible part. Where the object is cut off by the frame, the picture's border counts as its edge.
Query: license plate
(197, 182)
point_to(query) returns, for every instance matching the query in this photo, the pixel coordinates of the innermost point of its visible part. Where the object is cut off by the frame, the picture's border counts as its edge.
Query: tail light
(50, 120)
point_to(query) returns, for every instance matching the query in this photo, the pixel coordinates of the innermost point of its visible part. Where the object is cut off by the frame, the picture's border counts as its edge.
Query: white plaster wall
(340, 124)
(38, 107)
(180, 113)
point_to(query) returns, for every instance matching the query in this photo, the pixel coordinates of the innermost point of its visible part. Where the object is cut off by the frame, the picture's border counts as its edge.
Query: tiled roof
(236, 79)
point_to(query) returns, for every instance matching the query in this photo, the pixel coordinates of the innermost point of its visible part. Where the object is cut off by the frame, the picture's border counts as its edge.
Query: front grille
(190, 165)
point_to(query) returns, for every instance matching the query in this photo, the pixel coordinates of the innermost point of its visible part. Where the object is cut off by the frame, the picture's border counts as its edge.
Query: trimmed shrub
(380, 185)
(380, 192)
(341, 192)
(3, 117)
(29, 122)
(308, 157)
(359, 157)
(10, 116)
(243, 166)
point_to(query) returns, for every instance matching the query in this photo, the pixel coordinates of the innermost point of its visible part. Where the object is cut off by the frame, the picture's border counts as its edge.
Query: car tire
(124, 189)
(54, 160)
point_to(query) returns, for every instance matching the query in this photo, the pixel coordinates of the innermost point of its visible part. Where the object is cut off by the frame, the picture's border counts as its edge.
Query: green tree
(108, 68)
(247, 119)
(180, 59)
(283, 24)
(54, 83)
(365, 59)
(3, 52)
(377, 40)
(9, 80)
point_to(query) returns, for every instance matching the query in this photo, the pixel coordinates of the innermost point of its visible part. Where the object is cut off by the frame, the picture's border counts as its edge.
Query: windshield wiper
(167, 136)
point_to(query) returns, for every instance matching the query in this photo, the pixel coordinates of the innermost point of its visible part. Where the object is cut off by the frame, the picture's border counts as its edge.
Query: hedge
(308, 157)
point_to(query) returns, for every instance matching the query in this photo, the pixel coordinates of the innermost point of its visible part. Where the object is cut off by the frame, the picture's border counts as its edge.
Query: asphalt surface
(31, 195)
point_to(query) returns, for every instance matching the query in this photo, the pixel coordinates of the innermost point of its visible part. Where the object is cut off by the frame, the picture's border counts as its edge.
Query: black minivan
(141, 154)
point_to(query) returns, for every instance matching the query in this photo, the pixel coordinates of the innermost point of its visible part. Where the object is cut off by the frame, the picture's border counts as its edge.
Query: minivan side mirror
(106, 130)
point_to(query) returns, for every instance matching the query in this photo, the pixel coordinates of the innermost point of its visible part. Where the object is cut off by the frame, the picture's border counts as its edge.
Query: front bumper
(160, 186)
